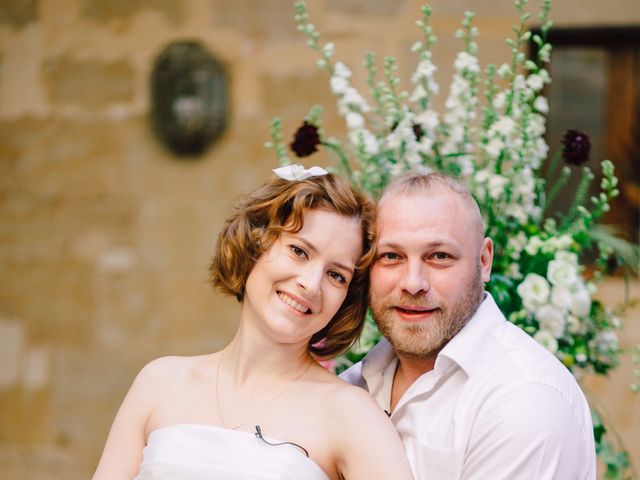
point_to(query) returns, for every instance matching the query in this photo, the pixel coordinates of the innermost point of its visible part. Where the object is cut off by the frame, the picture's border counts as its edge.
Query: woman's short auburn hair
(277, 206)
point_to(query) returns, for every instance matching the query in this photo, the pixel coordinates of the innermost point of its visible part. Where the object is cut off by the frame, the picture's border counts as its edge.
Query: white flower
(513, 271)
(535, 82)
(496, 186)
(541, 104)
(298, 172)
(418, 93)
(367, 139)
(580, 302)
(354, 121)
(534, 291)
(499, 100)
(338, 84)
(425, 146)
(504, 70)
(329, 49)
(575, 326)
(465, 61)
(533, 245)
(605, 341)
(547, 340)
(505, 126)
(562, 271)
(352, 98)
(551, 319)
(341, 70)
(425, 69)
(494, 147)
(561, 296)
(428, 119)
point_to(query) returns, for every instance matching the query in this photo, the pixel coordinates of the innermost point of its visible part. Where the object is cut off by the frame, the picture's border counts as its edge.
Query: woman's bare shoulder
(163, 371)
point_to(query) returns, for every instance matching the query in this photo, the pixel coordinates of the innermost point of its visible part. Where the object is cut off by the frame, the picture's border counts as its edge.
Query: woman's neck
(250, 357)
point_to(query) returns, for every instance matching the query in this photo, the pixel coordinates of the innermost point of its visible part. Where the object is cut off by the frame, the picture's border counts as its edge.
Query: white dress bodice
(199, 452)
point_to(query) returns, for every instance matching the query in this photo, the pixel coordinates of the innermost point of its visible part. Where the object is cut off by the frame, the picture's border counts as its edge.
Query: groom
(472, 395)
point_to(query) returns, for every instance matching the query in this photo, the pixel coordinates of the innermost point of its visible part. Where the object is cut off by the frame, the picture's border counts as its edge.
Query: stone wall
(105, 237)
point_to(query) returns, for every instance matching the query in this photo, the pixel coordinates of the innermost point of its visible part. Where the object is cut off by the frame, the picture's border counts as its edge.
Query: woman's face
(296, 287)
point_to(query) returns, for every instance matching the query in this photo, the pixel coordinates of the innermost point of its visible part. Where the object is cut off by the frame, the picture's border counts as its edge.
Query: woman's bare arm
(368, 444)
(123, 450)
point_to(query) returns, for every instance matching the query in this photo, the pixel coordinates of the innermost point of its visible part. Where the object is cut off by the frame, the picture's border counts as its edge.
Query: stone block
(263, 19)
(108, 10)
(62, 157)
(54, 298)
(89, 84)
(291, 96)
(12, 344)
(18, 13)
(367, 7)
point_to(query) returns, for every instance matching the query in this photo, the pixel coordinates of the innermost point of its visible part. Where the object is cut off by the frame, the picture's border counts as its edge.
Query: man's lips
(412, 312)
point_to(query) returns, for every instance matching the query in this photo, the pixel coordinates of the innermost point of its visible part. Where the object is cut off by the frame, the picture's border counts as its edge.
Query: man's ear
(486, 258)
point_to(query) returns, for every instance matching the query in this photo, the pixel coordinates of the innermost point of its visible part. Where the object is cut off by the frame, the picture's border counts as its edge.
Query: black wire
(259, 435)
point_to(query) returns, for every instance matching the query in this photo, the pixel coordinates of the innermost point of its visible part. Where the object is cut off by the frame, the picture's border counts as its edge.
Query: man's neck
(407, 372)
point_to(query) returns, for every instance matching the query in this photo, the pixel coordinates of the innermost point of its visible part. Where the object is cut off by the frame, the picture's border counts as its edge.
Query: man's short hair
(412, 183)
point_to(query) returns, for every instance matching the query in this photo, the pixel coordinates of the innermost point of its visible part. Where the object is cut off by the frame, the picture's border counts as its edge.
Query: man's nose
(416, 278)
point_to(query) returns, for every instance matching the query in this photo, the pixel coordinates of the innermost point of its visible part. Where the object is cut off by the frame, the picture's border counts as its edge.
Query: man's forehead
(438, 198)
(438, 209)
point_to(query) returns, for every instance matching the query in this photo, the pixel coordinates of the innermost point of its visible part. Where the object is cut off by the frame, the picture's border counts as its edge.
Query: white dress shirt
(497, 405)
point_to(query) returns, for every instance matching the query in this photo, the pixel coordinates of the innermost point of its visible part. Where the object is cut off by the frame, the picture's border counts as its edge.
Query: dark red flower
(417, 131)
(576, 147)
(305, 140)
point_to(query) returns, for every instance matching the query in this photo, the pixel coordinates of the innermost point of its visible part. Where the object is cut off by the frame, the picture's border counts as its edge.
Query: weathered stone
(289, 95)
(18, 13)
(90, 84)
(62, 158)
(107, 10)
(266, 18)
(367, 7)
(12, 345)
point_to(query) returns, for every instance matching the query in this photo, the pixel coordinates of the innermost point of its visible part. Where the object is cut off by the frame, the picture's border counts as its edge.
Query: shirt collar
(464, 349)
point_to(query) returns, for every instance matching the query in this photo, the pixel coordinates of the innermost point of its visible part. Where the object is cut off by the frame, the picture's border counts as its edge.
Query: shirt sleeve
(353, 375)
(531, 430)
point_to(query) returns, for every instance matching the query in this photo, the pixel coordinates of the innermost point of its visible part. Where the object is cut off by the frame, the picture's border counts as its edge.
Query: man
(472, 395)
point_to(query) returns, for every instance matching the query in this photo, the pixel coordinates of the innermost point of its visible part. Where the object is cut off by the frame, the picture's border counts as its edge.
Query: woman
(295, 254)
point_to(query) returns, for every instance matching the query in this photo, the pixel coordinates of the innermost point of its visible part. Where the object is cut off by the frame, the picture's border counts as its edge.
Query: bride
(295, 253)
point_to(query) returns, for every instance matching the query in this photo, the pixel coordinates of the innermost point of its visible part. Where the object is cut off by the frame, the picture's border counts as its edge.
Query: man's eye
(390, 256)
(441, 256)
(297, 251)
(337, 277)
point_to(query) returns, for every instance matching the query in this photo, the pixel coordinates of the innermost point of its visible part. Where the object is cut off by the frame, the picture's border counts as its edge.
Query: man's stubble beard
(425, 339)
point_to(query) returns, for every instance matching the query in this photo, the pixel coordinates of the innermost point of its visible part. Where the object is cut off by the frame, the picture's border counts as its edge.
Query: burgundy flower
(305, 140)
(576, 147)
(417, 131)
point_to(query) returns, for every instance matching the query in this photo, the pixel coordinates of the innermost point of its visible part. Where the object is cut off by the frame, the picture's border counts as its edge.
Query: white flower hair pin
(298, 172)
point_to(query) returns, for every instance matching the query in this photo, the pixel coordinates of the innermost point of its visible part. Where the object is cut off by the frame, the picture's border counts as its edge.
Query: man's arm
(531, 430)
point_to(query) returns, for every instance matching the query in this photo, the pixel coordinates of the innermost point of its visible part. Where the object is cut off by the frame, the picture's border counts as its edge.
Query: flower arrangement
(490, 135)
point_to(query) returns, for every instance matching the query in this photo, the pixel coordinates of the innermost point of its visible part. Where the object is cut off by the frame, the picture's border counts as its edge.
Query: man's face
(427, 278)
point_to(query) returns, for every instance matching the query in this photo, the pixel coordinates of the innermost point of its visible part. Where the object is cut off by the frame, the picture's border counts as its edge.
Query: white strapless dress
(199, 452)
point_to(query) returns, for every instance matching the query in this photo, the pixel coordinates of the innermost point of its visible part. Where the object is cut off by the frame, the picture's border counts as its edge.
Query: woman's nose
(310, 279)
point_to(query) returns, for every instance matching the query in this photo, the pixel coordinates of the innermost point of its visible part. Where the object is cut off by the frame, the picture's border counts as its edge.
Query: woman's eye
(297, 251)
(338, 277)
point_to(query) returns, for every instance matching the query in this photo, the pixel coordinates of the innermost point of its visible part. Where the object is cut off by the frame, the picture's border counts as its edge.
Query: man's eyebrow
(431, 244)
(314, 249)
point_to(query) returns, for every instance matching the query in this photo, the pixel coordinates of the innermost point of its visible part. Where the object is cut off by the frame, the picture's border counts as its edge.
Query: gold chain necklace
(263, 406)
